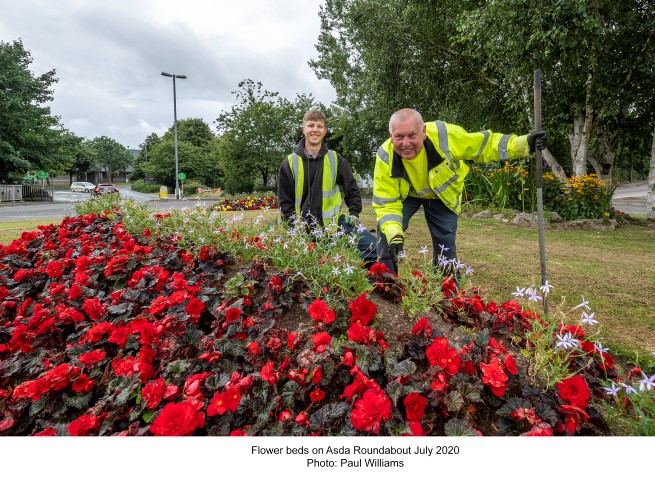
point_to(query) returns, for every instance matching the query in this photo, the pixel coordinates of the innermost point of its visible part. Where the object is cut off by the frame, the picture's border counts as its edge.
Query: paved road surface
(64, 202)
(631, 197)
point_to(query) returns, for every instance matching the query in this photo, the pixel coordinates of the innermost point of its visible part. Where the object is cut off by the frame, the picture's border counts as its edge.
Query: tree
(472, 63)
(650, 203)
(195, 162)
(30, 137)
(257, 133)
(110, 155)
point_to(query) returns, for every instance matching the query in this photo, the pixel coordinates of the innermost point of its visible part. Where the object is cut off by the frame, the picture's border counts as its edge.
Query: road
(64, 203)
(631, 197)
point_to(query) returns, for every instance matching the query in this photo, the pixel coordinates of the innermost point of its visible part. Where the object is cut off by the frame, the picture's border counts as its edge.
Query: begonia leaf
(403, 369)
(458, 427)
(454, 401)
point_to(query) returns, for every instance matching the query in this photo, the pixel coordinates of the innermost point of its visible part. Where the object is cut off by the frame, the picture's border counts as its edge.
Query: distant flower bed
(247, 202)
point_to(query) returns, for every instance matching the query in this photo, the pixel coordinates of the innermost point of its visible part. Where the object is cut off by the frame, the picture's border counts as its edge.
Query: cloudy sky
(109, 56)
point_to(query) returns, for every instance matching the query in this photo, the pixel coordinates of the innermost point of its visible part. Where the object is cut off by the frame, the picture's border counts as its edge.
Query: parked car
(104, 188)
(82, 187)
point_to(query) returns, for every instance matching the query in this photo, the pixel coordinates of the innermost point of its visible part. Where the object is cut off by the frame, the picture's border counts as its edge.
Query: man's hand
(537, 139)
(396, 247)
(353, 221)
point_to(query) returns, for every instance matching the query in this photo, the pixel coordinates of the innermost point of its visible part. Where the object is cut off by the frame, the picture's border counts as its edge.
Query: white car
(82, 187)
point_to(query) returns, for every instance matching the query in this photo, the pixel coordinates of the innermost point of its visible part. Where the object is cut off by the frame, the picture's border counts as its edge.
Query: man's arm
(346, 180)
(286, 191)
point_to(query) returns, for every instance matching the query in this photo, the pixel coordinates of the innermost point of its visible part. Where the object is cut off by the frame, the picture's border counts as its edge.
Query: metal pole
(177, 184)
(539, 182)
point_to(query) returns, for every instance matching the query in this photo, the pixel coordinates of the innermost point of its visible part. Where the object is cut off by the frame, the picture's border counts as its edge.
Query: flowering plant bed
(110, 327)
(247, 202)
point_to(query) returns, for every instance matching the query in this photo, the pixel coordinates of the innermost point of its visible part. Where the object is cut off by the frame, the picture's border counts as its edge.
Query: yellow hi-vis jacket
(447, 146)
(332, 197)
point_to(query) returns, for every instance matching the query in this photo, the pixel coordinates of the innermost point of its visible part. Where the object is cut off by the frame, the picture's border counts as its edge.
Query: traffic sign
(42, 174)
(181, 176)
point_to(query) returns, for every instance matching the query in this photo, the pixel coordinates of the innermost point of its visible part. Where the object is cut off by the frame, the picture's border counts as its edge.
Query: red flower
(422, 327)
(91, 358)
(317, 395)
(362, 310)
(194, 308)
(575, 391)
(417, 430)
(93, 308)
(232, 314)
(285, 415)
(53, 269)
(96, 332)
(253, 348)
(268, 373)
(369, 411)
(177, 419)
(574, 330)
(359, 333)
(48, 432)
(317, 375)
(540, 430)
(74, 292)
(193, 384)
(85, 425)
(321, 340)
(510, 365)
(153, 393)
(494, 376)
(448, 286)
(440, 354)
(415, 407)
(378, 268)
(158, 305)
(361, 383)
(319, 311)
(227, 401)
(574, 416)
(83, 384)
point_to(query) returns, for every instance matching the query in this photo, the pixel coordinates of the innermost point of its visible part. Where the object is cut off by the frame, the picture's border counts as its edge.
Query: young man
(423, 165)
(313, 182)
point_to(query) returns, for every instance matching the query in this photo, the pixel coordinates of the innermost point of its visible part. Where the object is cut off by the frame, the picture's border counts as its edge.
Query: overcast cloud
(109, 56)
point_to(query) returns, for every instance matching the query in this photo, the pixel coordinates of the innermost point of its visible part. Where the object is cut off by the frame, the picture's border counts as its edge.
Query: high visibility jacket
(447, 146)
(332, 197)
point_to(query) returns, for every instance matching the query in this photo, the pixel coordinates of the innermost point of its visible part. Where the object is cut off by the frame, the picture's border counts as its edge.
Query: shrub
(143, 187)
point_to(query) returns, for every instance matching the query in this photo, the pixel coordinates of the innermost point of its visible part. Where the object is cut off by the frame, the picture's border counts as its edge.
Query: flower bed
(247, 202)
(112, 331)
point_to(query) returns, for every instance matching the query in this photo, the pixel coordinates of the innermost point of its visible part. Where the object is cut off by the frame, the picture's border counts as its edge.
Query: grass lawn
(614, 271)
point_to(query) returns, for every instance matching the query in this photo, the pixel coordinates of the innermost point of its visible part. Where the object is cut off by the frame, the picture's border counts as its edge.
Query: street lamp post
(177, 180)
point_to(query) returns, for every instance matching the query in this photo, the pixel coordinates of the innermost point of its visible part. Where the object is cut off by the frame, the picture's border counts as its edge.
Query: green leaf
(454, 401)
(458, 427)
(482, 338)
(147, 415)
(328, 414)
(394, 391)
(403, 369)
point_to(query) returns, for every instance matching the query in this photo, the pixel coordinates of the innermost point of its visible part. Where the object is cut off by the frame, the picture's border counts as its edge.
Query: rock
(606, 225)
(483, 214)
(499, 217)
(555, 217)
(525, 219)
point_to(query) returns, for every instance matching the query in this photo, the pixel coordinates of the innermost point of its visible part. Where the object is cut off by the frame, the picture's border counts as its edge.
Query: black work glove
(537, 139)
(395, 247)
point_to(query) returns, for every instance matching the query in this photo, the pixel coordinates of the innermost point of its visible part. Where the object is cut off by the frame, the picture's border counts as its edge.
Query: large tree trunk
(607, 151)
(582, 128)
(650, 199)
(554, 165)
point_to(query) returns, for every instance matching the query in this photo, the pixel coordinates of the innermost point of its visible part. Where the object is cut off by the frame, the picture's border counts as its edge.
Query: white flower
(360, 228)
(613, 390)
(469, 270)
(646, 383)
(336, 258)
(588, 318)
(628, 389)
(423, 250)
(546, 287)
(584, 304)
(533, 295)
(443, 248)
(519, 292)
(566, 341)
(335, 270)
(402, 255)
(352, 239)
(600, 348)
(349, 269)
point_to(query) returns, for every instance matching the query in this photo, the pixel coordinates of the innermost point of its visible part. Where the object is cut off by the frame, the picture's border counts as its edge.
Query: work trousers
(442, 223)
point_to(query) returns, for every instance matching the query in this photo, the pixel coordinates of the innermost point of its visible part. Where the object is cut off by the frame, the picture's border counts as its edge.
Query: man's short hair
(405, 114)
(314, 115)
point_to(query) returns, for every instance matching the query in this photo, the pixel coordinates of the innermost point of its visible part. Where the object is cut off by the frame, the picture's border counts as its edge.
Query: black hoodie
(312, 198)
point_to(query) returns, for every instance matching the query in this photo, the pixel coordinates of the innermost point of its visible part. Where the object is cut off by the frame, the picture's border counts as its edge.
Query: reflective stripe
(330, 193)
(331, 213)
(423, 192)
(383, 201)
(384, 156)
(442, 132)
(443, 187)
(333, 165)
(391, 218)
(502, 147)
(295, 169)
(484, 142)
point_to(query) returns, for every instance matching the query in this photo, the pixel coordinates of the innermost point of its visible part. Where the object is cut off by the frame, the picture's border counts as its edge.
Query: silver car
(82, 187)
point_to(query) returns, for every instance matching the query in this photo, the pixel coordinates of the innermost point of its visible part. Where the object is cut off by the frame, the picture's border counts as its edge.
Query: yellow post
(163, 192)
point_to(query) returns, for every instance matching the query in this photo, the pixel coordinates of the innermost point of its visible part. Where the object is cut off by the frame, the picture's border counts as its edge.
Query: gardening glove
(396, 247)
(353, 221)
(537, 139)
